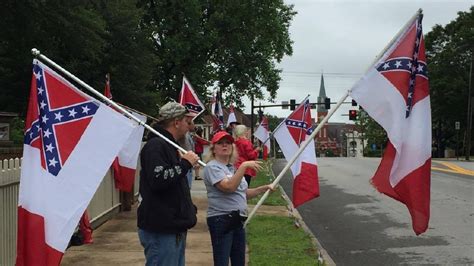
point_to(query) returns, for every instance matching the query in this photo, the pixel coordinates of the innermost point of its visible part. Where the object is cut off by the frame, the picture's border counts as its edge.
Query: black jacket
(166, 205)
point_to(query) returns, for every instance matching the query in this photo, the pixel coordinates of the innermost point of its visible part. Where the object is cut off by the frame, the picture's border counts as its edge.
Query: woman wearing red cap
(227, 193)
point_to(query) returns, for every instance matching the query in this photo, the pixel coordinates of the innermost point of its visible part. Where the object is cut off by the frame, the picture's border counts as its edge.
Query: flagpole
(37, 53)
(293, 159)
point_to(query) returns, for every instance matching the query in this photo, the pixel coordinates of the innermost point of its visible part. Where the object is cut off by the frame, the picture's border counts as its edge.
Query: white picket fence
(9, 184)
(104, 204)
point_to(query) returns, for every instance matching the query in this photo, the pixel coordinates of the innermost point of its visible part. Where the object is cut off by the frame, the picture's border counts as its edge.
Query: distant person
(227, 194)
(187, 143)
(231, 127)
(166, 211)
(245, 150)
(199, 143)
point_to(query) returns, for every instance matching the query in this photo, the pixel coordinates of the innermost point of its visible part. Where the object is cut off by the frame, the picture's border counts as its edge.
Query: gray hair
(240, 131)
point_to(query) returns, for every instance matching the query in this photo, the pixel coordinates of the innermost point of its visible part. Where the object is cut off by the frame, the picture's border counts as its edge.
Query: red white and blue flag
(68, 148)
(216, 111)
(395, 93)
(188, 98)
(125, 164)
(231, 118)
(291, 133)
(262, 133)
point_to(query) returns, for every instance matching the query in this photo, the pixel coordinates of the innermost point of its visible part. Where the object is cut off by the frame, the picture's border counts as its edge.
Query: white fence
(105, 203)
(9, 181)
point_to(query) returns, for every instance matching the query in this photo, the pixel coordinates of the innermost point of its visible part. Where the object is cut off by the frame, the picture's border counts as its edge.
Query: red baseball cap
(220, 135)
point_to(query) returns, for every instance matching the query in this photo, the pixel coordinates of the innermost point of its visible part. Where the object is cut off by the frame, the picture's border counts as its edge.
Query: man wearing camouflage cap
(166, 210)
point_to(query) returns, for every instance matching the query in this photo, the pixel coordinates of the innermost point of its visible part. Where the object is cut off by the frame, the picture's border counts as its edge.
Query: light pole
(342, 135)
(469, 114)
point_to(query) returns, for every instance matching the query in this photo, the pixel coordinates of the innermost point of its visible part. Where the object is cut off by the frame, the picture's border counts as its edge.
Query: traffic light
(327, 103)
(292, 104)
(354, 103)
(352, 114)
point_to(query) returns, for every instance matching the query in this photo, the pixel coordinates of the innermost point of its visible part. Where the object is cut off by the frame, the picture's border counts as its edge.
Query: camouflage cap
(172, 110)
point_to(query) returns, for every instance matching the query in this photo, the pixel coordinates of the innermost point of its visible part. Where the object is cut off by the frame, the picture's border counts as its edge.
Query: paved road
(359, 226)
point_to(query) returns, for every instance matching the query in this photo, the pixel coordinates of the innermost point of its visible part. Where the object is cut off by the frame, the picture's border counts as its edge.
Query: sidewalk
(116, 241)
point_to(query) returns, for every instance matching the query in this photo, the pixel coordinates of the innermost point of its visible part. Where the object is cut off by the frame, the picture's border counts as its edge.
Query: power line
(342, 74)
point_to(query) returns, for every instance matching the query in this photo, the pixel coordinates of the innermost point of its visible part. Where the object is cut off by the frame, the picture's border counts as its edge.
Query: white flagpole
(324, 121)
(37, 53)
(293, 159)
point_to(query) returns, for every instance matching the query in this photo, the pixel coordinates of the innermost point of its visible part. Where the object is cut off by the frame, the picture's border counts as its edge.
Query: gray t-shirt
(220, 202)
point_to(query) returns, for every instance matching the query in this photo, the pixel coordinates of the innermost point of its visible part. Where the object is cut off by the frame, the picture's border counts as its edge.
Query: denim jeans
(163, 249)
(189, 176)
(226, 245)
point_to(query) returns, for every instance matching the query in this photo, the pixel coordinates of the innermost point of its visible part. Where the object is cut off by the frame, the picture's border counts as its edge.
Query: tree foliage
(232, 45)
(450, 53)
(372, 133)
(146, 46)
(88, 38)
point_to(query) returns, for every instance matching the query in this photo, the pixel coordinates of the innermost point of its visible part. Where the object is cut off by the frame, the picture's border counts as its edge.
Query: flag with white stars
(58, 112)
(291, 133)
(395, 93)
(188, 98)
(68, 148)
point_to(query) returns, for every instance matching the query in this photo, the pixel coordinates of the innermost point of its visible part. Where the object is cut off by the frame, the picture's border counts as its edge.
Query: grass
(263, 177)
(274, 240)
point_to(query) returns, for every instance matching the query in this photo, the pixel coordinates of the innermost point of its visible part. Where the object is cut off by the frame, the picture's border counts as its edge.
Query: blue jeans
(226, 245)
(163, 249)
(189, 176)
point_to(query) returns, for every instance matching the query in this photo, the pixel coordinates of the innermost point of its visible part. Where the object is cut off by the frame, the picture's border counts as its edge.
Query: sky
(341, 39)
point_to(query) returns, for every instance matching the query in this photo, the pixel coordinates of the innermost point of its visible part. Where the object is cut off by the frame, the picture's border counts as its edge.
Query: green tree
(233, 45)
(129, 57)
(70, 32)
(273, 121)
(88, 38)
(449, 52)
(372, 133)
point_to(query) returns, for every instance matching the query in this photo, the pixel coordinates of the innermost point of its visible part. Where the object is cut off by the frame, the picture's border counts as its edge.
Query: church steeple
(322, 96)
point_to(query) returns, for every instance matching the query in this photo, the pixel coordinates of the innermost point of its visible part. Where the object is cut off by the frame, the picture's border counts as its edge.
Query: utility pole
(469, 115)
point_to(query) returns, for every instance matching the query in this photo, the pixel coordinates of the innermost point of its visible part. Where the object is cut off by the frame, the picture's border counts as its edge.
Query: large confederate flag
(395, 93)
(290, 135)
(70, 141)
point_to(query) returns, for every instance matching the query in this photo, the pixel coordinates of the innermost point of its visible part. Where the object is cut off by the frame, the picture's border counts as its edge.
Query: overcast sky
(341, 39)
